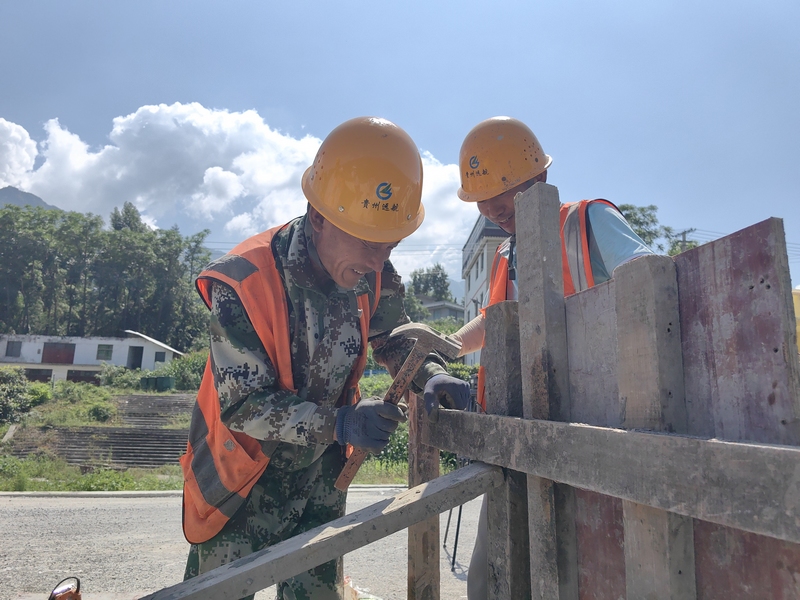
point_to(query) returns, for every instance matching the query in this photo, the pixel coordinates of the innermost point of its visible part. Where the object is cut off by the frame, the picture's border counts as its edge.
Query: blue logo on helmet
(473, 162)
(384, 190)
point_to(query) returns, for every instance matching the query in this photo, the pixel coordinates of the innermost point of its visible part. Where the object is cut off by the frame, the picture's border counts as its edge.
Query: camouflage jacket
(325, 340)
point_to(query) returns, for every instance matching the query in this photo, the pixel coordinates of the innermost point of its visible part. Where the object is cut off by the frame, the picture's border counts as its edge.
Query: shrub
(396, 451)
(187, 370)
(104, 480)
(375, 385)
(39, 393)
(76, 392)
(120, 377)
(461, 370)
(14, 399)
(101, 411)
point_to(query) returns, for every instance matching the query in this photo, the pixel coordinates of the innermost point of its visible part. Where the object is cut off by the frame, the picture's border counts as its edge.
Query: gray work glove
(451, 392)
(368, 424)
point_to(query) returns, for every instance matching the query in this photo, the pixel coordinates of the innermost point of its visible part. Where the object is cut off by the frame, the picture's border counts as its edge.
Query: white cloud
(205, 168)
(17, 153)
(219, 189)
(448, 222)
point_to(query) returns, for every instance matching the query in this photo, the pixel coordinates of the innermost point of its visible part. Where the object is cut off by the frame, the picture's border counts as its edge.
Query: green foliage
(63, 274)
(375, 385)
(38, 472)
(432, 281)
(14, 398)
(104, 480)
(644, 222)
(447, 325)
(39, 393)
(396, 451)
(413, 307)
(101, 411)
(677, 244)
(44, 472)
(187, 370)
(461, 370)
(119, 377)
(73, 392)
(74, 404)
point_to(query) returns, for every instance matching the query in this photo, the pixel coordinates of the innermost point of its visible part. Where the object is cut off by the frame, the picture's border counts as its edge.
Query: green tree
(432, 281)
(61, 273)
(414, 309)
(644, 222)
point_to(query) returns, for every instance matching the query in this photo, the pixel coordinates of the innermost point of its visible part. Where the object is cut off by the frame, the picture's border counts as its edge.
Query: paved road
(123, 547)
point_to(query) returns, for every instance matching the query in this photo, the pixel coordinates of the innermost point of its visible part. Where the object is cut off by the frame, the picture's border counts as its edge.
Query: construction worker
(292, 310)
(500, 158)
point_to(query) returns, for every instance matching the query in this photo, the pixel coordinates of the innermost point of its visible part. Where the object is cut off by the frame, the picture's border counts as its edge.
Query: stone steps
(143, 443)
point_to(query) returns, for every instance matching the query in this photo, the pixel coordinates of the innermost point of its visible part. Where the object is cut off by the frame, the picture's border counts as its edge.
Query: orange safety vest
(576, 265)
(221, 466)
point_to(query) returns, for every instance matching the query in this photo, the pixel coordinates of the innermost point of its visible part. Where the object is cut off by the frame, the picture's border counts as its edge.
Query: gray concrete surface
(123, 546)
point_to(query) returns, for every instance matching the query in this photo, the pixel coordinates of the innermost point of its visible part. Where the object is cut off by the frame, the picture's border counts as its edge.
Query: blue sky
(205, 114)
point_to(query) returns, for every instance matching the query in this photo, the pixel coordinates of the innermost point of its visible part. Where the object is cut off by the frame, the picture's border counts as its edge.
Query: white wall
(85, 351)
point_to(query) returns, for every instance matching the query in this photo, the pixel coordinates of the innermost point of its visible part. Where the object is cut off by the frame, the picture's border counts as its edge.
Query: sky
(205, 114)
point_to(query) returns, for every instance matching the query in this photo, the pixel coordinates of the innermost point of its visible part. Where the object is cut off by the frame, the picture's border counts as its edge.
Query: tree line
(63, 273)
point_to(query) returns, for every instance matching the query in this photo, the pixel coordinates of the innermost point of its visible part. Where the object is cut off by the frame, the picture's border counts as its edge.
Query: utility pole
(683, 237)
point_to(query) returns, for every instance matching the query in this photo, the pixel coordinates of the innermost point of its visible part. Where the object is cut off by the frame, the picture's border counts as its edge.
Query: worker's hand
(451, 392)
(368, 424)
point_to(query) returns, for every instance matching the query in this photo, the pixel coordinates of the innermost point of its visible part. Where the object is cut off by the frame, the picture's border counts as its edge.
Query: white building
(477, 256)
(47, 357)
(441, 309)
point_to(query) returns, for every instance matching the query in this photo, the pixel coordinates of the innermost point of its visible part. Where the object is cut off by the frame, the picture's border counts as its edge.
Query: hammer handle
(393, 395)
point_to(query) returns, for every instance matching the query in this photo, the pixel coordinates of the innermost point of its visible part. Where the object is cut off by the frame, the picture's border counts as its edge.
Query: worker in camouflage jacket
(291, 311)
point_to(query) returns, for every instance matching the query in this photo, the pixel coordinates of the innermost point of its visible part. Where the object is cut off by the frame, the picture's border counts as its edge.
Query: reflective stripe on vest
(221, 466)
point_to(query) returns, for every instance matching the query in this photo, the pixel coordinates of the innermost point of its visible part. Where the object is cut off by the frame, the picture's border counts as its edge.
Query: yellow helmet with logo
(367, 180)
(497, 155)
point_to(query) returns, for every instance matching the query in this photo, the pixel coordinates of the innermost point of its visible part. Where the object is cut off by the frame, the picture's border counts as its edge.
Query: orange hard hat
(497, 155)
(367, 180)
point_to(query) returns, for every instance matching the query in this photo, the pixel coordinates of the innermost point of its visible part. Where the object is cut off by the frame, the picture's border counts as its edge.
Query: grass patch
(74, 405)
(47, 473)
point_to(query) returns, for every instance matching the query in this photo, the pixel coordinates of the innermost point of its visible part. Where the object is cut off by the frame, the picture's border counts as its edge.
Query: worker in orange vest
(499, 159)
(292, 310)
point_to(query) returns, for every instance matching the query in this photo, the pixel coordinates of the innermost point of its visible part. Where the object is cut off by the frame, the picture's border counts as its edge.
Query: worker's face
(500, 209)
(346, 258)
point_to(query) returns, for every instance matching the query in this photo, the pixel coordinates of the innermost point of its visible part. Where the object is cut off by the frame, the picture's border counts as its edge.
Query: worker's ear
(316, 218)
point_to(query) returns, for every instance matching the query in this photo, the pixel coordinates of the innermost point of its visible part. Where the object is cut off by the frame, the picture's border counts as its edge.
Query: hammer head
(428, 339)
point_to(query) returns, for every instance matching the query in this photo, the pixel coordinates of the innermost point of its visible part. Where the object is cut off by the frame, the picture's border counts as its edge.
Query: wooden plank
(423, 537)
(659, 546)
(545, 383)
(742, 377)
(737, 323)
(747, 486)
(321, 544)
(592, 347)
(595, 400)
(507, 505)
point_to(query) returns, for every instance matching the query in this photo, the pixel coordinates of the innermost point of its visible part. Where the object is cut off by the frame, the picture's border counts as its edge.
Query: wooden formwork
(641, 440)
(700, 349)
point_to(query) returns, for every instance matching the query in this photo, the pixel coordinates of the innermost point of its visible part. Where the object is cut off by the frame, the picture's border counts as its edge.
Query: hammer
(428, 340)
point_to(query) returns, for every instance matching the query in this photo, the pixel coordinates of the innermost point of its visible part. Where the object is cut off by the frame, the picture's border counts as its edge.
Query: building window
(83, 376)
(39, 374)
(481, 262)
(161, 356)
(13, 349)
(104, 351)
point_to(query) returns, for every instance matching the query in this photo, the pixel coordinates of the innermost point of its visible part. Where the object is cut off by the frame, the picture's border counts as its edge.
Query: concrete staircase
(145, 443)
